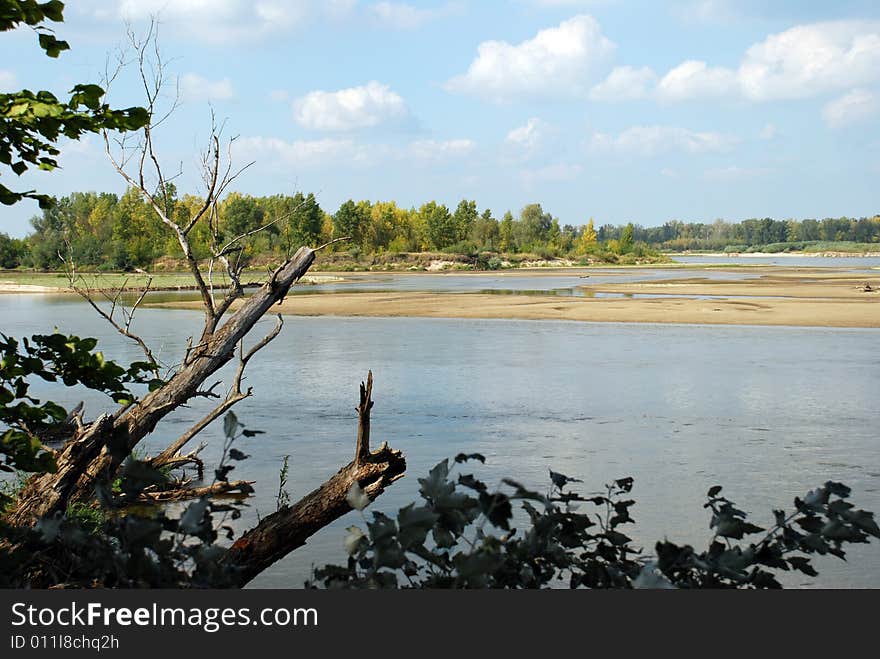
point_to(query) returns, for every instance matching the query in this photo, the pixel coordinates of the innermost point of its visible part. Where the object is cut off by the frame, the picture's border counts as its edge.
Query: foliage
(53, 358)
(105, 544)
(31, 123)
(462, 534)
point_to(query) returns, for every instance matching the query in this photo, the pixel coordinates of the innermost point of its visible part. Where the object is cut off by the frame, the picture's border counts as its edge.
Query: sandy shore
(814, 299)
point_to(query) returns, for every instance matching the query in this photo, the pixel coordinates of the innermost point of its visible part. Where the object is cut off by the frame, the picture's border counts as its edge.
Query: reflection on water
(768, 412)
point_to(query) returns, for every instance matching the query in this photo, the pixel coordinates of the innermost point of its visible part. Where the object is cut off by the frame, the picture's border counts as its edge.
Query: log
(287, 529)
(79, 470)
(181, 493)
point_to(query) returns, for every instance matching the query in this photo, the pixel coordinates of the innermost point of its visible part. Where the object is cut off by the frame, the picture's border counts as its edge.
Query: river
(768, 412)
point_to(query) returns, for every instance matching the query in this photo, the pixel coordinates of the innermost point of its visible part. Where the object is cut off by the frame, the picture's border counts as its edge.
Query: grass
(114, 280)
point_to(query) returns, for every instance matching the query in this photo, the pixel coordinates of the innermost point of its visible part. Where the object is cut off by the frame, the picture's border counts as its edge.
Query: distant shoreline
(828, 254)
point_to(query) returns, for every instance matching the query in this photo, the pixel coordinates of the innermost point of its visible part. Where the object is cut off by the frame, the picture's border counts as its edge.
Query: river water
(768, 412)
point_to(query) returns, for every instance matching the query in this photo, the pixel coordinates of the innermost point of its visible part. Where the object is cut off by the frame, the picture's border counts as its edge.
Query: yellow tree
(588, 238)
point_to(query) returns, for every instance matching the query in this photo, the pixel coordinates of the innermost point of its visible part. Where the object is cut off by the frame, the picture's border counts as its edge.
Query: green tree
(505, 232)
(11, 251)
(350, 220)
(486, 232)
(465, 217)
(305, 220)
(625, 243)
(241, 214)
(440, 225)
(533, 226)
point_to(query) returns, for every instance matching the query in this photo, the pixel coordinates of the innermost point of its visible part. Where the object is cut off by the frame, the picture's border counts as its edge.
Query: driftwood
(181, 493)
(287, 529)
(97, 451)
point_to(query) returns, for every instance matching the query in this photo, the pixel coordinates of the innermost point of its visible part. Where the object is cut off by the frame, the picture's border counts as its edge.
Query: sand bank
(855, 312)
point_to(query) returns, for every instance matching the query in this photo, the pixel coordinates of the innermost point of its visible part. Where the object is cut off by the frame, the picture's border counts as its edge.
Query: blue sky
(619, 110)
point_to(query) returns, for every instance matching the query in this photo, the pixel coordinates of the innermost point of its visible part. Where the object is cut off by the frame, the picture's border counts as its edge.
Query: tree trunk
(79, 467)
(281, 532)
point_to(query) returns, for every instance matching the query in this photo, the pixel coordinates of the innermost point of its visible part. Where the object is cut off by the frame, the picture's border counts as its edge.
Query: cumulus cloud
(349, 109)
(693, 79)
(624, 83)
(441, 149)
(528, 136)
(402, 16)
(856, 106)
(194, 87)
(803, 61)
(653, 140)
(810, 59)
(556, 61)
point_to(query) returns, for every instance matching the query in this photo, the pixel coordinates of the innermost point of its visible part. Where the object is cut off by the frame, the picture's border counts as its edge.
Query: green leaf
(230, 424)
(51, 45)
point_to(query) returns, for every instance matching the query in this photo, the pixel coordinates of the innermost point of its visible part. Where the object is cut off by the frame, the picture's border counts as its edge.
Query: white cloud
(194, 87)
(303, 153)
(693, 79)
(7, 80)
(528, 136)
(442, 149)
(707, 11)
(556, 61)
(222, 21)
(810, 59)
(279, 95)
(403, 16)
(652, 140)
(349, 109)
(624, 83)
(803, 61)
(734, 173)
(857, 105)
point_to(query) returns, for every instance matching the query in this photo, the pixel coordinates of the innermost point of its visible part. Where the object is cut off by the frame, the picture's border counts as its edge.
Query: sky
(619, 110)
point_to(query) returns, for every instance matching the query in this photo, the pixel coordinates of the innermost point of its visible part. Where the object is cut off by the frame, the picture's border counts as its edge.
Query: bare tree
(95, 451)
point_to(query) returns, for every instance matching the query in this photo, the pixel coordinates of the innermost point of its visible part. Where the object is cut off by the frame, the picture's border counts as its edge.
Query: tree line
(107, 231)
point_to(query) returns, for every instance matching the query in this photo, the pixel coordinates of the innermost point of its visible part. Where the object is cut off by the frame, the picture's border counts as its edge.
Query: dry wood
(181, 493)
(50, 493)
(288, 529)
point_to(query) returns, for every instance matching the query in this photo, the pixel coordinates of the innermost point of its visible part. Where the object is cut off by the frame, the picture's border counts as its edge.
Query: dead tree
(94, 451)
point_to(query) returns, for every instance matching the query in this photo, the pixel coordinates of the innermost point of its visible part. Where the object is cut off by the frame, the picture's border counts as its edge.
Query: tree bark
(287, 529)
(79, 466)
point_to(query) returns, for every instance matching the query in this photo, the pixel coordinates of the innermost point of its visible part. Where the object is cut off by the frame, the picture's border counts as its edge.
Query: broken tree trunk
(287, 529)
(79, 467)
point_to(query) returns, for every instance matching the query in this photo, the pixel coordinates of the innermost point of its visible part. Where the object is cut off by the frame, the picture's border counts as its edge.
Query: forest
(107, 232)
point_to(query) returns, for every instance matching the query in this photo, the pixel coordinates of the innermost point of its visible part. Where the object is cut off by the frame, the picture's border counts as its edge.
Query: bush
(462, 535)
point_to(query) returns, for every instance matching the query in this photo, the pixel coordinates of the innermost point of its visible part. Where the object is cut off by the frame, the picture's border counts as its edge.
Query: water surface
(768, 412)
